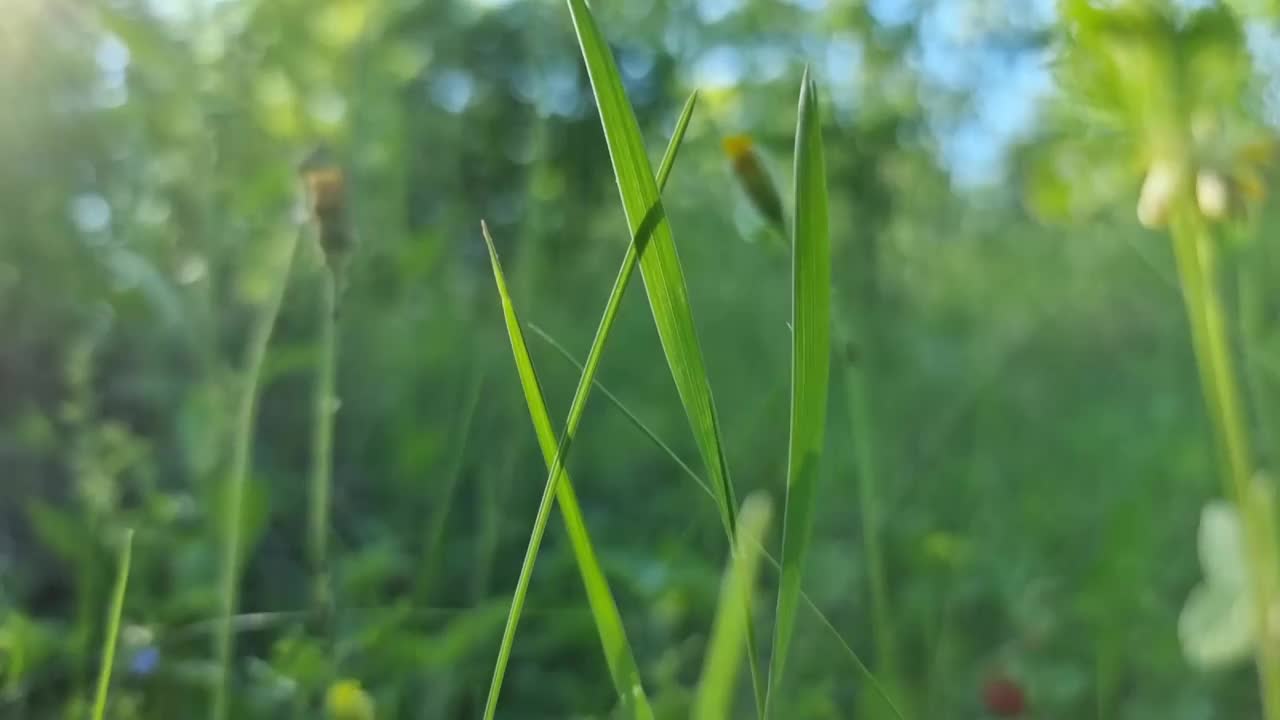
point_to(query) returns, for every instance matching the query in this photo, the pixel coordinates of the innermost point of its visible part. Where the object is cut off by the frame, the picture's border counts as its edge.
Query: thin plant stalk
(113, 628)
(241, 455)
(324, 408)
(1196, 257)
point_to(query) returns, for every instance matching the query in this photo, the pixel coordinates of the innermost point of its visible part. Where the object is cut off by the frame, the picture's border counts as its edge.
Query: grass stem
(324, 408)
(241, 455)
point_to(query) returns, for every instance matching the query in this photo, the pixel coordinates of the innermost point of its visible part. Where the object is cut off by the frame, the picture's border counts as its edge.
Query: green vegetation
(998, 377)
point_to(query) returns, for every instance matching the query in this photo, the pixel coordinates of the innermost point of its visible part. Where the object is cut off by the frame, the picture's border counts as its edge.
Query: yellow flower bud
(755, 180)
(326, 186)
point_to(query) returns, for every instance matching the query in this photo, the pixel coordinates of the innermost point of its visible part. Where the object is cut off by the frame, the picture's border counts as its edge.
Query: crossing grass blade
(113, 628)
(621, 664)
(661, 270)
(810, 368)
(724, 650)
(863, 671)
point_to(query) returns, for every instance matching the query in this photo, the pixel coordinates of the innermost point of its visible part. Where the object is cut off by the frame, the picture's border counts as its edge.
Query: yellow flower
(347, 700)
(755, 179)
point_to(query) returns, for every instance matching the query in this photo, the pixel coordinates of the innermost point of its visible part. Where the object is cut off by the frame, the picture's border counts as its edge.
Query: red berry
(1003, 697)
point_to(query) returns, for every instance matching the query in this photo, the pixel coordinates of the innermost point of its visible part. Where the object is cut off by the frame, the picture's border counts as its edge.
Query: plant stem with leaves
(1196, 256)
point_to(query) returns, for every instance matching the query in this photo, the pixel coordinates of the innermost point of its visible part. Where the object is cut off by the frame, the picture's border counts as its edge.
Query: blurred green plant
(233, 546)
(1159, 96)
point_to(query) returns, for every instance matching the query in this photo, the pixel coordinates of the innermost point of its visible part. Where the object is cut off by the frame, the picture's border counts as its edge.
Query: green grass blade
(810, 367)
(113, 627)
(659, 265)
(724, 649)
(621, 665)
(658, 442)
(660, 268)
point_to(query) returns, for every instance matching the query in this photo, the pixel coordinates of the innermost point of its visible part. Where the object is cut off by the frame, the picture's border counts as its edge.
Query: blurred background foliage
(1043, 445)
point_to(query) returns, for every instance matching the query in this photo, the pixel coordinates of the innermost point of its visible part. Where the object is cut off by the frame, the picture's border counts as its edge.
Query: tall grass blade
(810, 368)
(622, 665)
(113, 627)
(724, 650)
(626, 680)
(660, 268)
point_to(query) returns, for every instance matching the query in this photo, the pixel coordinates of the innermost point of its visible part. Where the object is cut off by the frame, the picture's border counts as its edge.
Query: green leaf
(1216, 627)
(113, 627)
(810, 366)
(617, 652)
(1221, 545)
(660, 268)
(724, 650)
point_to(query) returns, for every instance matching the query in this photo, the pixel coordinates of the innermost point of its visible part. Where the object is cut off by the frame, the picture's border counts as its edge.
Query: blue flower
(144, 661)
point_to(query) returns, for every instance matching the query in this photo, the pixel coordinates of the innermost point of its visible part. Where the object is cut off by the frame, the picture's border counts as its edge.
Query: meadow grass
(663, 276)
(810, 369)
(653, 248)
(617, 649)
(112, 635)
